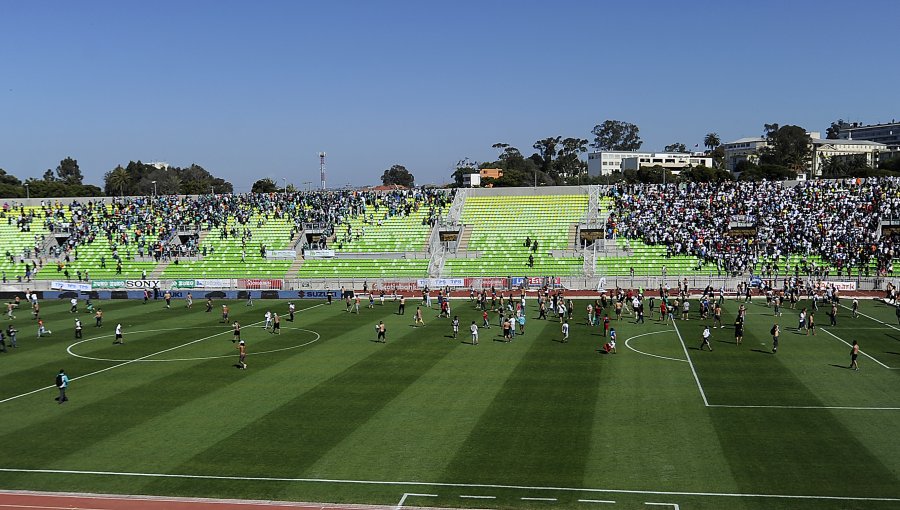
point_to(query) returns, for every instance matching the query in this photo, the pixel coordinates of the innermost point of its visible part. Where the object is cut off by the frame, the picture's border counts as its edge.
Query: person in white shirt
(565, 332)
(119, 339)
(268, 320)
(474, 329)
(74, 303)
(706, 335)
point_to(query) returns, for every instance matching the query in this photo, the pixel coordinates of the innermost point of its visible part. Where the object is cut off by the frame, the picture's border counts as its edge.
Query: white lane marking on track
(691, 363)
(446, 484)
(411, 495)
(647, 353)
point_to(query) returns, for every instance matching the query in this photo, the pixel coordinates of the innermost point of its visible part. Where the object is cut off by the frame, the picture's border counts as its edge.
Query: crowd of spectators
(836, 220)
(168, 227)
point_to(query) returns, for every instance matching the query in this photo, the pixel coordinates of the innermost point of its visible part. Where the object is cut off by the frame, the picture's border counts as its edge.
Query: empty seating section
(223, 257)
(377, 231)
(363, 268)
(500, 226)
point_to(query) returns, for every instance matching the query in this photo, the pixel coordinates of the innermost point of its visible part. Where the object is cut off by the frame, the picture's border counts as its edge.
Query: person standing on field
(706, 335)
(776, 332)
(242, 355)
(62, 382)
(382, 330)
(854, 353)
(119, 339)
(474, 329)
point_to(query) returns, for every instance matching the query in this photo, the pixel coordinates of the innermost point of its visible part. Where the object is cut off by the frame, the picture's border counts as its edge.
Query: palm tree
(712, 141)
(117, 180)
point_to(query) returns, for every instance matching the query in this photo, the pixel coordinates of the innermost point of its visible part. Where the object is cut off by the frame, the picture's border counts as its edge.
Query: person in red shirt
(605, 325)
(484, 317)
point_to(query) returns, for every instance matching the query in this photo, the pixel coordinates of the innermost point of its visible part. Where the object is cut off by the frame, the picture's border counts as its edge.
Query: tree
(788, 147)
(711, 141)
(616, 135)
(264, 185)
(546, 148)
(834, 129)
(568, 160)
(69, 172)
(116, 181)
(399, 175)
(675, 147)
(49, 176)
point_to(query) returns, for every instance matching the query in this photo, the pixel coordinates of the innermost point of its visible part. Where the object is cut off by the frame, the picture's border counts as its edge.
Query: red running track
(54, 501)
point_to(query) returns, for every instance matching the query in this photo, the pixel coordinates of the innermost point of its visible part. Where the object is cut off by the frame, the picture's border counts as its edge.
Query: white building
(821, 151)
(673, 161)
(607, 162)
(745, 149)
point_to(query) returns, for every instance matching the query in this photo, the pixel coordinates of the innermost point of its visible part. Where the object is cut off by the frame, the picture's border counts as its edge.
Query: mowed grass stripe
(636, 391)
(234, 400)
(294, 434)
(537, 429)
(798, 451)
(419, 432)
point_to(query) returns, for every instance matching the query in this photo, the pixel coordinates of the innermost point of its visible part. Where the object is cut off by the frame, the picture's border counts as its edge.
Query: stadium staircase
(493, 243)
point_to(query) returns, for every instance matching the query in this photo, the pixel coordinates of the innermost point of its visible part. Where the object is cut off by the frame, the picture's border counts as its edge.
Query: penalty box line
(453, 485)
(860, 351)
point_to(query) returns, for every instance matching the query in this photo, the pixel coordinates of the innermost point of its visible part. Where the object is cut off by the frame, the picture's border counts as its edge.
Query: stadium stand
(818, 228)
(500, 226)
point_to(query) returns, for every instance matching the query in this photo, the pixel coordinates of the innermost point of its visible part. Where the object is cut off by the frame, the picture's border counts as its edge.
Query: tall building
(888, 133)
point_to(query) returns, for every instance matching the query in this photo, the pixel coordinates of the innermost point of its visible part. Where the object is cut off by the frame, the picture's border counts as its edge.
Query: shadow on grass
(761, 351)
(845, 367)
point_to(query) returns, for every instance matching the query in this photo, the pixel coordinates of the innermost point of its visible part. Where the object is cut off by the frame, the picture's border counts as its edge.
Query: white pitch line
(860, 351)
(691, 363)
(477, 497)
(446, 484)
(602, 501)
(538, 499)
(872, 318)
(32, 392)
(647, 353)
(674, 505)
(848, 408)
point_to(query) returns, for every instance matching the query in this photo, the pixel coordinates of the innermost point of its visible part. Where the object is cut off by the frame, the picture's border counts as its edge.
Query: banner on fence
(184, 284)
(125, 284)
(316, 294)
(260, 284)
(486, 283)
(212, 284)
(80, 287)
(390, 287)
(435, 283)
(318, 254)
(841, 286)
(284, 254)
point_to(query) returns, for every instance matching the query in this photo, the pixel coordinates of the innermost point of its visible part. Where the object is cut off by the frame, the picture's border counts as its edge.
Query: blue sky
(256, 89)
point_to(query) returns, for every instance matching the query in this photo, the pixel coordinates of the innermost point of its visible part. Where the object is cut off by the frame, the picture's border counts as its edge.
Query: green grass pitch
(323, 413)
